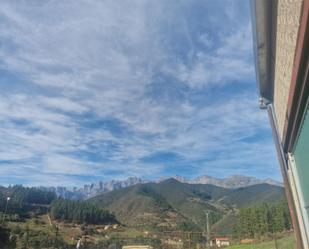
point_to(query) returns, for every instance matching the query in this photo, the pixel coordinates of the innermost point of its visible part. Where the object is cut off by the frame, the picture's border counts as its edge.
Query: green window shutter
(301, 156)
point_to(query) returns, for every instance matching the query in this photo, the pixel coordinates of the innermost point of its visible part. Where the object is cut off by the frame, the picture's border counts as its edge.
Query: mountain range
(170, 203)
(94, 189)
(157, 206)
(234, 181)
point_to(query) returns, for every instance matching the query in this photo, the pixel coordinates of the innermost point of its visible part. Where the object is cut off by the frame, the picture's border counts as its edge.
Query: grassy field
(69, 232)
(284, 243)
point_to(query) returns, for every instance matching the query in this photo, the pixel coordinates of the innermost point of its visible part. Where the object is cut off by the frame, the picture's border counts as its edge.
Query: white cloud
(84, 68)
(229, 61)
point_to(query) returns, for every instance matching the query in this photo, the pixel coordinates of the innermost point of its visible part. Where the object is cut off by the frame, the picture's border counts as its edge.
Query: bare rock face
(102, 187)
(94, 189)
(235, 181)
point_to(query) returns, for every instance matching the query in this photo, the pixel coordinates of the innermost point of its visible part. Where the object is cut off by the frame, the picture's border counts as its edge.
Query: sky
(97, 90)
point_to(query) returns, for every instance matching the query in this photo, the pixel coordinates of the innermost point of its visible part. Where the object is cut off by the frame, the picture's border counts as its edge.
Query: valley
(165, 212)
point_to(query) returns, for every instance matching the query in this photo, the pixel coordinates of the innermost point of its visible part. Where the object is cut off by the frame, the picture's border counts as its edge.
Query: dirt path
(49, 220)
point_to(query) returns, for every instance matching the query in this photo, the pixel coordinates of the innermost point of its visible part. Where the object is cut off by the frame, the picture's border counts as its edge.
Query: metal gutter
(263, 23)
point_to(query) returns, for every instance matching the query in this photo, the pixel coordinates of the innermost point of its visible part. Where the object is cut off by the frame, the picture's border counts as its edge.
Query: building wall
(137, 247)
(288, 20)
(222, 243)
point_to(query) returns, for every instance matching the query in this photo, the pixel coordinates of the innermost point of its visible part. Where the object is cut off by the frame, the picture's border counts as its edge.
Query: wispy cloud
(103, 89)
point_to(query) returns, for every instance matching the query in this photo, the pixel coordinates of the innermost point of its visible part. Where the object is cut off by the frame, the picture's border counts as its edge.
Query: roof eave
(263, 25)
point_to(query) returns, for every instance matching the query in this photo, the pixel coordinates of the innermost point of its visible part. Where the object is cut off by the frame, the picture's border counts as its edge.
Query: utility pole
(56, 237)
(6, 208)
(27, 236)
(276, 244)
(207, 226)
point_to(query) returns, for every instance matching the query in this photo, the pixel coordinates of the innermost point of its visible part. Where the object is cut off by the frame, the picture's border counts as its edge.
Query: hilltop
(171, 203)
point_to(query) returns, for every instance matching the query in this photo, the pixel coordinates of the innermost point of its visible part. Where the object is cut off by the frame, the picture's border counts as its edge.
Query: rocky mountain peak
(94, 189)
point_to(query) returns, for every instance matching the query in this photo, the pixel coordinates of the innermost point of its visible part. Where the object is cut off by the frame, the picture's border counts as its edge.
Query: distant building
(247, 241)
(137, 247)
(220, 242)
(281, 41)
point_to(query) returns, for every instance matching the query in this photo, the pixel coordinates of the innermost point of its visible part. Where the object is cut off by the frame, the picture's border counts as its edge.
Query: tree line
(23, 197)
(80, 212)
(263, 219)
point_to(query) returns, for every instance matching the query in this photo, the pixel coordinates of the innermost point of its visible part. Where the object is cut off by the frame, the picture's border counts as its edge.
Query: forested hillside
(174, 204)
(23, 199)
(167, 206)
(262, 219)
(19, 194)
(80, 212)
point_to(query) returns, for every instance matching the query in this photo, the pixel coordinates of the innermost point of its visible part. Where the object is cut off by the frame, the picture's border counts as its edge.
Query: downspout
(284, 167)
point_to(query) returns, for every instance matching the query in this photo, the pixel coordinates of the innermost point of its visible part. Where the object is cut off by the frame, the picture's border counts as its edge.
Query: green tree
(261, 219)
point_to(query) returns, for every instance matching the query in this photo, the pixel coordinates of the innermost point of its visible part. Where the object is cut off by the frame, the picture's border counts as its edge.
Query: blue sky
(97, 90)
